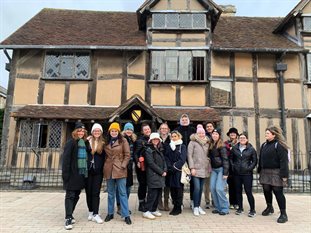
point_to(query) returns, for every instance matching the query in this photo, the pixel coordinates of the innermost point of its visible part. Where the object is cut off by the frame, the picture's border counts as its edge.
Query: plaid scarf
(82, 158)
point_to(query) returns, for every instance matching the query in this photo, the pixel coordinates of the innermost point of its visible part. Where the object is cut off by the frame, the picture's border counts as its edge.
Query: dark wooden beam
(147, 70)
(256, 99)
(232, 76)
(178, 95)
(28, 76)
(124, 78)
(92, 86)
(67, 91)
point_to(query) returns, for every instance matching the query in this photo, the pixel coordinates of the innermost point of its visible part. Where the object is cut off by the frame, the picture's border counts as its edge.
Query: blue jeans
(112, 184)
(128, 192)
(217, 186)
(198, 184)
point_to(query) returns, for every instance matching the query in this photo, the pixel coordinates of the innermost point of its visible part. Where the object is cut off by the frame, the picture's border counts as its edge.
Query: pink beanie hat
(200, 129)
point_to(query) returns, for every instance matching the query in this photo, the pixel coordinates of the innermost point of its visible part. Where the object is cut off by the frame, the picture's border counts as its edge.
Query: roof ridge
(78, 10)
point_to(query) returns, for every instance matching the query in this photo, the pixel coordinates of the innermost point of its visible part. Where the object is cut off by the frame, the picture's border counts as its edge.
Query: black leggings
(278, 192)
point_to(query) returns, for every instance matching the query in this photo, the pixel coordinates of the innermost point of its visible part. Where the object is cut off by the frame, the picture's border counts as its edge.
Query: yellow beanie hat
(115, 126)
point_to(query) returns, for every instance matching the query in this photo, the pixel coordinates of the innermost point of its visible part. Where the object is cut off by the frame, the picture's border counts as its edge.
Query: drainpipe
(280, 68)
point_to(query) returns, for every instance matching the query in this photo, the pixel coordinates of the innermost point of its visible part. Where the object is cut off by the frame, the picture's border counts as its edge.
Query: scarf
(113, 140)
(82, 158)
(173, 144)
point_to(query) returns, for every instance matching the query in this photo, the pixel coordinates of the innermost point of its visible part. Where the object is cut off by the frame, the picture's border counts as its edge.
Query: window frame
(308, 68)
(221, 80)
(73, 76)
(179, 27)
(163, 54)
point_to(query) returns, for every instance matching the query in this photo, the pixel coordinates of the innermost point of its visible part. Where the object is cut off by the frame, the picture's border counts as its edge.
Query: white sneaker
(148, 215)
(191, 204)
(156, 213)
(97, 219)
(90, 217)
(196, 211)
(201, 211)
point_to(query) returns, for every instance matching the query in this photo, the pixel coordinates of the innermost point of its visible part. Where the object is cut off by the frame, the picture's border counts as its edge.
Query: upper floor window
(67, 65)
(174, 65)
(307, 23)
(38, 134)
(178, 21)
(309, 67)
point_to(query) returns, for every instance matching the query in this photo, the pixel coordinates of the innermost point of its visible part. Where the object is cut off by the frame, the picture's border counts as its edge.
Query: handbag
(185, 174)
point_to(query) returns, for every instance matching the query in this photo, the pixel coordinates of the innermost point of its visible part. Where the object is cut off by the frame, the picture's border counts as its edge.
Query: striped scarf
(82, 158)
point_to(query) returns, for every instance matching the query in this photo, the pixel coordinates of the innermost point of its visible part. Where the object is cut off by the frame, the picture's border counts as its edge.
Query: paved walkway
(23, 212)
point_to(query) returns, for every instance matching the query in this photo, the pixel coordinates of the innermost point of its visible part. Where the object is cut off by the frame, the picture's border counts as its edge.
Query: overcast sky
(15, 13)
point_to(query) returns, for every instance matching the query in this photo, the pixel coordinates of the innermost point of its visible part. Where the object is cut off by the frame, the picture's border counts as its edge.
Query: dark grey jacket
(243, 163)
(155, 166)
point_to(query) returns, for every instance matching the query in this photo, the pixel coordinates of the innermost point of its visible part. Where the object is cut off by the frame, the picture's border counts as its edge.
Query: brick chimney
(228, 10)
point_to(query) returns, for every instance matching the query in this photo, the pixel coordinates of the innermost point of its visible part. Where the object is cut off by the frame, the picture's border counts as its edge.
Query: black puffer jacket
(155, 166)
(243, 163)
(219, 158)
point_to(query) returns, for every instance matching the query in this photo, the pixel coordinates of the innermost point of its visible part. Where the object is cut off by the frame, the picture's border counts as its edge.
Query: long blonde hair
(100, 144)
(278, 132)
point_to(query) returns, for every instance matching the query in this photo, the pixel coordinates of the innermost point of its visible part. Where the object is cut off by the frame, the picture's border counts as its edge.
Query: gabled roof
(134, 100)
(251, 33)
(73, 28)
(290, 16)
(144, 10)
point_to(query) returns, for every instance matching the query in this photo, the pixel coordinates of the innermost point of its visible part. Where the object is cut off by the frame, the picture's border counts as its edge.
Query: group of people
(158, 159)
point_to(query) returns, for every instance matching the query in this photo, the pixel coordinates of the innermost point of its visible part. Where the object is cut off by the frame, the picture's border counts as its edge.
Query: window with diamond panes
(55, 134)
(307, 23)
(67, 65)
(179, 21)
(25, 134)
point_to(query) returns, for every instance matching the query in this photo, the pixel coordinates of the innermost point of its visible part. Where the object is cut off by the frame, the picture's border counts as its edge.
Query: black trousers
(247, 182)
(231, 189)
(279, 195)
(142, 184)
(71, 200)
(177, 195)
(153, 199)
(92, 190)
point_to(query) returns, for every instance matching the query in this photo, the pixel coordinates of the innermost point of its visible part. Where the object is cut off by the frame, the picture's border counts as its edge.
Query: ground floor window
(40, 134)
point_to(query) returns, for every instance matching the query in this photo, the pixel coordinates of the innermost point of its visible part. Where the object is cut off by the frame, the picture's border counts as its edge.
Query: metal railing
(40, 168)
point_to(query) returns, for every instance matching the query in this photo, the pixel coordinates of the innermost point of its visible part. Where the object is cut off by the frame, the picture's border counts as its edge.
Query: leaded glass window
(178, 21)
(67, 65)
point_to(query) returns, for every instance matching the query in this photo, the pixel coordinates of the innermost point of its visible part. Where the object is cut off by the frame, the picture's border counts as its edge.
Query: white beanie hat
(97, 126)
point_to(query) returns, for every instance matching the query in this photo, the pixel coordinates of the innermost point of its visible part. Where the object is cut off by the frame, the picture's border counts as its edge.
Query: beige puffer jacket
(198, 156)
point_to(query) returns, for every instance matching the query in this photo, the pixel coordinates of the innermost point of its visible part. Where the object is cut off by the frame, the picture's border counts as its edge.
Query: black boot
(269, 210)
(173, 210)
(283, 217)
(141, 206)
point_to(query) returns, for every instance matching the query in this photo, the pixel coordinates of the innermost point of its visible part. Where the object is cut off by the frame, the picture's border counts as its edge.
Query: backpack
(276, 145)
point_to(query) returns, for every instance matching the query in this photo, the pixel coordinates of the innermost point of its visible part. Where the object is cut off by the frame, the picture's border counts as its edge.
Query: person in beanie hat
(96, 158)
(243, 160)
(117, 158)
(219, 175)
(155, 173)
(199, 164)
(74, 170)
(130, 136)
(186, 130)
(233, 135)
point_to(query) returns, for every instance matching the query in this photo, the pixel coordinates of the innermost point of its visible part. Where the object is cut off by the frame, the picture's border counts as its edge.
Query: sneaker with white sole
(149, 215)
(96, 218)
(196, 211)
(68, 224)
(156, 213)
(90, 217)
(201, 211)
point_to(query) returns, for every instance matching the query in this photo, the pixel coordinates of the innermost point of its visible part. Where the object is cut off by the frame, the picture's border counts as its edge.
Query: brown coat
(117, 159)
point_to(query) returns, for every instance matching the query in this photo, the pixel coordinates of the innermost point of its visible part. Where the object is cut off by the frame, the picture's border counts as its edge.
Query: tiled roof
(104, 113)
(63, 112)
(250, 33)
(72, 27)
(195, 114)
